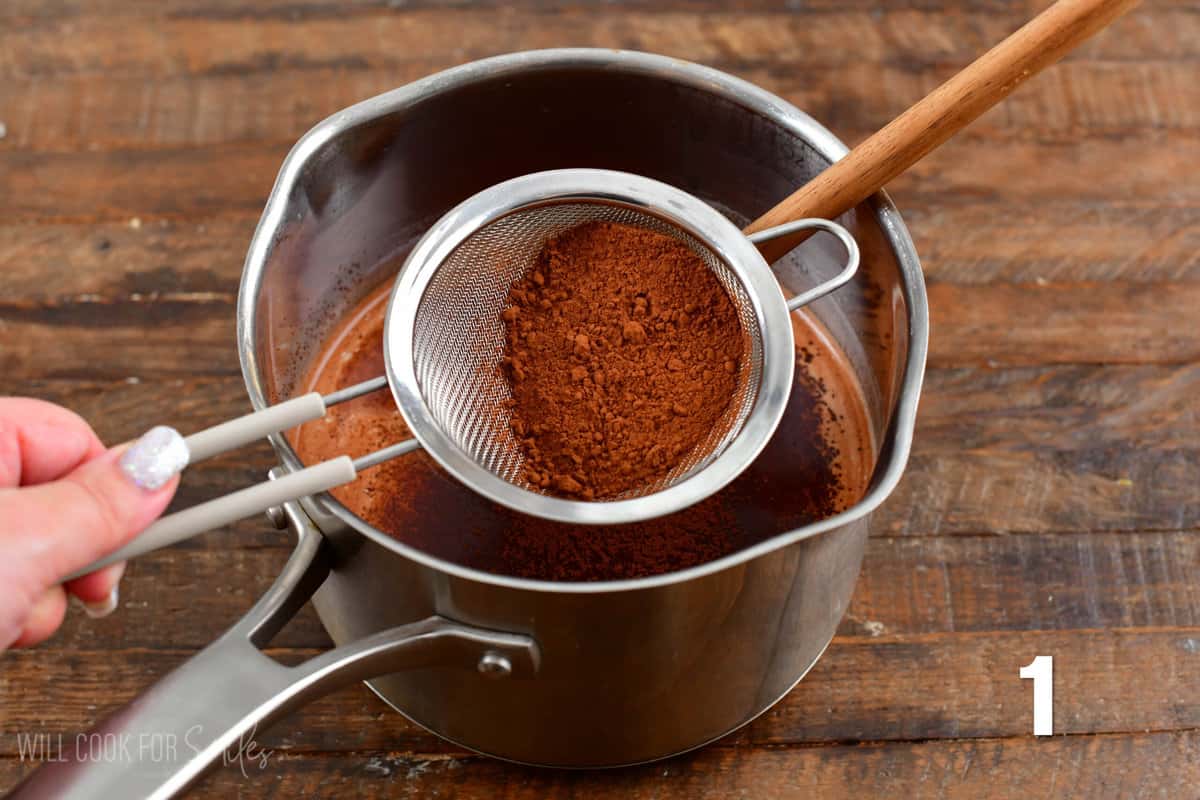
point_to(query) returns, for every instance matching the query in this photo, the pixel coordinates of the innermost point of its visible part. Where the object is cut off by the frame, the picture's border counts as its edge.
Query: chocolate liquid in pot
(818, 462)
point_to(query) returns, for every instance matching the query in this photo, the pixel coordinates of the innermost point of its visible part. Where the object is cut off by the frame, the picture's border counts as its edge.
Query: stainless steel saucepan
(564, 674)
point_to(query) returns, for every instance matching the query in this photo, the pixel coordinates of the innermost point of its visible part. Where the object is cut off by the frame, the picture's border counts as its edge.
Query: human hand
(65, 501)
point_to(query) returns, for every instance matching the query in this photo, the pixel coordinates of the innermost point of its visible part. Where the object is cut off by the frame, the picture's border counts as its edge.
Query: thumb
(56, 528)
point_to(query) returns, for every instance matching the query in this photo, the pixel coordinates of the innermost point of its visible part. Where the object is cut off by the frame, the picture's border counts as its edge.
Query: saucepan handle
(174, 731)
(847, 272)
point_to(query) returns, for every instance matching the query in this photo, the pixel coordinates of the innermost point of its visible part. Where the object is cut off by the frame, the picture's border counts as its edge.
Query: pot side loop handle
(212, 707)
(836, 282)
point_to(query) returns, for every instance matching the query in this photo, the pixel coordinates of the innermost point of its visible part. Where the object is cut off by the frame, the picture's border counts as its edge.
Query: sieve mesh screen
(459, 336)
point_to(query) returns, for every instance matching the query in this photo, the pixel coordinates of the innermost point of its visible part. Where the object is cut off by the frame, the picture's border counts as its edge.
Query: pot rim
(897, 439)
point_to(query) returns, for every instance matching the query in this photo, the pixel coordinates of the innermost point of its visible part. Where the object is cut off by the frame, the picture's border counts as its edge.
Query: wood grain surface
(940, 115)
(1051, 502)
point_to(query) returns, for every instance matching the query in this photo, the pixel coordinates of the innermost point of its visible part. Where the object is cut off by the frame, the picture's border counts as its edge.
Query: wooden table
(1051, 503)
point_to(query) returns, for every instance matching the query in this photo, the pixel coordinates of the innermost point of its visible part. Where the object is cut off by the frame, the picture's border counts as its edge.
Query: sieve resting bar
(843, 236)
(385, 454)
(279, 417)
(357, 390)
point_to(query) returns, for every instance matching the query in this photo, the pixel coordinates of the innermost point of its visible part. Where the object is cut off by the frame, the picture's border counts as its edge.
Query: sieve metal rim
(647, 196)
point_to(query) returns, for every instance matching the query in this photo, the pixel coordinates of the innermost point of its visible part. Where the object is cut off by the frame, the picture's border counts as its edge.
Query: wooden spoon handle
(942, 113)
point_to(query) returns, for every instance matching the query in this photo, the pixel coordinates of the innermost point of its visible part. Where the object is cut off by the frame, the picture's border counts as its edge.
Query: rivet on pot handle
(836, 282)
(230, 690)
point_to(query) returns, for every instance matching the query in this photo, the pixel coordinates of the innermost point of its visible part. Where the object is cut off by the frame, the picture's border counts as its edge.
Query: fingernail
(155, 458)
(100, 608)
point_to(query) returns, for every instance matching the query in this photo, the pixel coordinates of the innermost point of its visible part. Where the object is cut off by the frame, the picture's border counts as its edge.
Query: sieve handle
(238, 505)
(279, 417)
(247, 502)
(940, 114)
(256, 499)
(843, 236)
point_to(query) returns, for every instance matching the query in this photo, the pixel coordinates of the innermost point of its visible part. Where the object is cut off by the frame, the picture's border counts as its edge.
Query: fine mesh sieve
(444, 341)
(459, 338)
(444, 337)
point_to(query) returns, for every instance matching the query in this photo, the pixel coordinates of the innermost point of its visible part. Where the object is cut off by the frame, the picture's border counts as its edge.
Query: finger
(44, 618)
(97, 591)
(57, 528)
(41, 442)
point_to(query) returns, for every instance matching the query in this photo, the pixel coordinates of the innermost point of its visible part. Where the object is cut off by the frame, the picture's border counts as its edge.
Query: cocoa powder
(622, 354)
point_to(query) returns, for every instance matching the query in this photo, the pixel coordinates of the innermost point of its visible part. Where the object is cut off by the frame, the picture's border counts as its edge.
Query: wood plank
(193, 333)
(1042, 449)
(1076, 98)
(980, 166)
(304, 9)
(992, 326)
(50, 45)
(1112, 487)
(1035, 449)
(956, 686)
(174, 334)
(1138, 766)
(1059, 242)
(1135, 766)
(1064, 323)
(961, 244)
(235, 178)
(67, 280)
(188, 339)
(1079, 407)
(890, 688)
(101, 112)
(181, 599)
(69, 691)
(147, 185)
(112, 262)
(1035, 582)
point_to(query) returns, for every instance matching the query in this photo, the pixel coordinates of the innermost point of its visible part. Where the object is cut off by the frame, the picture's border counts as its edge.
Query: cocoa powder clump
(623, 352)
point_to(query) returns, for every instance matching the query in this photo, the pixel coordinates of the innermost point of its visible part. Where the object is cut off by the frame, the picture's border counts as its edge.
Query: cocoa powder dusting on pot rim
(622, 354)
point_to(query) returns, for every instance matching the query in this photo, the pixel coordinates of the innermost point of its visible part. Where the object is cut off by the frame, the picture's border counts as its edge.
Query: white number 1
(1041, 669)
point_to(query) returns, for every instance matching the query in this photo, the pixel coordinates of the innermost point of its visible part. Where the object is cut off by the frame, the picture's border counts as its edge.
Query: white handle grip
(230, 508)
(252, 427)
